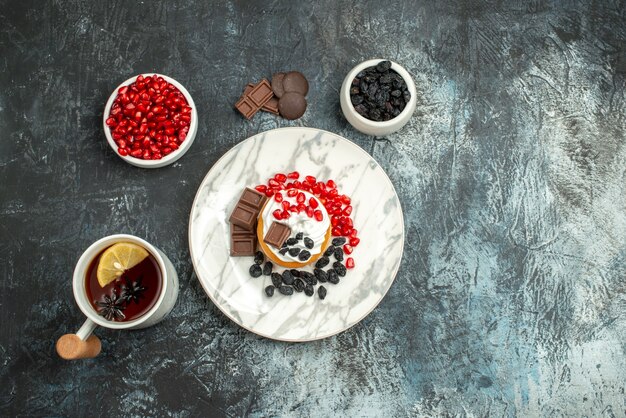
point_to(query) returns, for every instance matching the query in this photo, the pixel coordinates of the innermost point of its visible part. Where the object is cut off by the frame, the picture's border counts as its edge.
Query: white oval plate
(377, 216)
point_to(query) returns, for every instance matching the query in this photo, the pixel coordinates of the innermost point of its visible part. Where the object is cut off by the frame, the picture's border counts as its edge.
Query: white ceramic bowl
(170, 158)
(368, 126)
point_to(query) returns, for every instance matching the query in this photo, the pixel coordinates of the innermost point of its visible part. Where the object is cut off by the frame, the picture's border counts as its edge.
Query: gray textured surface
(511, 298)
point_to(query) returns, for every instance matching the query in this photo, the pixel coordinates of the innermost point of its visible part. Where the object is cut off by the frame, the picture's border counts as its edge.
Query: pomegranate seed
(345, 230)
(347, 249)
(354, 241)
(286, 205)
(347, 211)
(261, 188)
(293, 175)
(336, 232)
(333, 193)
(336, 211)
(331, 184)
(309, 212)
(293, 208)
(292, 193)
(278, 197)
(268, 192)
(313, 203)
(136, 153)
(111, 122)
(297, 184)
(306, 187)
(334, 221)
(318, 215)
(273, 183)
(301, 198)
(277, 214)
(289, 186)
(350, 263)
(345, 199)
(122, 151)
(353, 233)
(280, 177)
(301, 207)
(311, 180)
(284, 215)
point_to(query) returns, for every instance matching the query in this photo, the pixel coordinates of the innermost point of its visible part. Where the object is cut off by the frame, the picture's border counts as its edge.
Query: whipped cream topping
(298, 222)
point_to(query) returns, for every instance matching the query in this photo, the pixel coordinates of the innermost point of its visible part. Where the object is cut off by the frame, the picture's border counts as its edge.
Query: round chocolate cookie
(295, 81)
(292, 105)
(277, 84)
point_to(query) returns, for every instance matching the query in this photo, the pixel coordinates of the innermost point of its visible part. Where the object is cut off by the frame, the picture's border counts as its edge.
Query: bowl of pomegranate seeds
(150, 120)
(378, 97)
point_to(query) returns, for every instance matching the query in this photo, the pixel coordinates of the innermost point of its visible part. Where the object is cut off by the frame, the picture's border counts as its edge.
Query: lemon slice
(118, 258)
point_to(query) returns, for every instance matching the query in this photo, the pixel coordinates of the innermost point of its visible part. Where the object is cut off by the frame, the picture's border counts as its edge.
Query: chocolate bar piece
(261, 93)
(247, 209)
(241, 246)
(271, 106)
(244, 216)
(242, 242)
(277, 234)
(246, 107)
(253, 198)
(236, 230)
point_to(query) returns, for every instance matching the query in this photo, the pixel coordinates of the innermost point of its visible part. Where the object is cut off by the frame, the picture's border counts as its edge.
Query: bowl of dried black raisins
(378, 97)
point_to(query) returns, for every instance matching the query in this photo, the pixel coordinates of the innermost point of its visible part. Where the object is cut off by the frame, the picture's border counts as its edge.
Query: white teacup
(80, 345)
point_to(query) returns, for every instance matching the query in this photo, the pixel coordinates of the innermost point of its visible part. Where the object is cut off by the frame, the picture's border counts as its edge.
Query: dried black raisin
(277, 279)
(267, 268)
(269, 291)
(322, 262)
(356, 99)
(295, 273)
(294, 251)
(321, 292)
(309, 278)
(339, 268)
(286, 290)
(383, 66)
(283, 251)
(339, 241)
(308, 242)
(299, 236)
(255, 270)
(287, 277)
(259, 258)
(308, 290)
(298, 285)
(291, 241)
(321, 275)
(304, 255)
(339, 254)
(332, 276)
(329, 251)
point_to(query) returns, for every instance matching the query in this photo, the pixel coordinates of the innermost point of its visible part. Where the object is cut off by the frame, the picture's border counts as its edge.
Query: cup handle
(80, 345)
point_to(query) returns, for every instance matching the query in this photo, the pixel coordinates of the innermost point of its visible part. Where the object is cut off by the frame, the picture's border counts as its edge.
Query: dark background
(511, 297)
